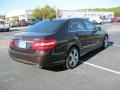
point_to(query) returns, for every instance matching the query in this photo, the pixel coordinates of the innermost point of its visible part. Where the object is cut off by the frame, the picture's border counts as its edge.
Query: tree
(45, 12)
(37, 13)
(116, 10)
(2, 17)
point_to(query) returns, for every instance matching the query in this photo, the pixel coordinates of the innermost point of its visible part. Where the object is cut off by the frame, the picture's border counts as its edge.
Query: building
(19, 15)
(84, 14)
(2, 17)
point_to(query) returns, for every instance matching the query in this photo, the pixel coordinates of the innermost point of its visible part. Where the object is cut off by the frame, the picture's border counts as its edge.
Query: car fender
(72, 44)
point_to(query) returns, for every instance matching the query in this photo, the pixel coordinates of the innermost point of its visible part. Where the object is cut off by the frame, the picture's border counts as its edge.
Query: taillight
(12, 43)
(43, 44)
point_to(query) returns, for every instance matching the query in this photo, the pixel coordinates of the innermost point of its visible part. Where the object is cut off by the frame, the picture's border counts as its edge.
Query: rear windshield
(46, 26)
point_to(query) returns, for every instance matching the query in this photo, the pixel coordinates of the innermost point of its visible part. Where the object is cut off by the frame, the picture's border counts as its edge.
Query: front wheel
(72, 58)
(8, 30)
(105, 42)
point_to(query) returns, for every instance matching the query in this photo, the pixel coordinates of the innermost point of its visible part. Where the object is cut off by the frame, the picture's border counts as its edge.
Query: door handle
(77, 34)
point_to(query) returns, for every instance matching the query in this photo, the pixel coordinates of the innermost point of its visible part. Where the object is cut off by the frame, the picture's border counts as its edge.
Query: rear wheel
(72, 58)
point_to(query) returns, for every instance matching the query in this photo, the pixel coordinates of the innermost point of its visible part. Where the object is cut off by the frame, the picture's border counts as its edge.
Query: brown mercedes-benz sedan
(54, 42)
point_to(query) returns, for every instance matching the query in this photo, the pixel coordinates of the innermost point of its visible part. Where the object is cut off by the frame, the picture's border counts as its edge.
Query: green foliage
(2, 17)
(46, 12)
(37, 13)
(115, 10)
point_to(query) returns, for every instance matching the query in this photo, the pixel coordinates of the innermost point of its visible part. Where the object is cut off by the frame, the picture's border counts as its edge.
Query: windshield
(45, 26)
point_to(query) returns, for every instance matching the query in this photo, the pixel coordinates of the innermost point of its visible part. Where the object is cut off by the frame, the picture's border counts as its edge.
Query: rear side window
(89, 25)
(46, 26)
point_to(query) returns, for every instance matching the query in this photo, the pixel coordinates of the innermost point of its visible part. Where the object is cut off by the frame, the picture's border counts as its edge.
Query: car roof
(64, 19)
(67, 18)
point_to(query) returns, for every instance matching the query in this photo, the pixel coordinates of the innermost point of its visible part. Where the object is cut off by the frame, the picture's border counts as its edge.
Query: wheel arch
(73, 45)
(106, 35)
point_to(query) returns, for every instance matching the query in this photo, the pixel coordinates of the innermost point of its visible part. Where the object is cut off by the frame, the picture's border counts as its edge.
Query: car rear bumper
(46, 60)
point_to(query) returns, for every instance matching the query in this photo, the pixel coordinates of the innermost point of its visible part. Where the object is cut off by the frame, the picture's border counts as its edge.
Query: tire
(8, 30)
(72, 59)
(105, 42)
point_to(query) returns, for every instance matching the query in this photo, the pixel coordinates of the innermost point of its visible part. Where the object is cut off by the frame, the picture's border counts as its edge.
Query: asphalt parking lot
(99, 70)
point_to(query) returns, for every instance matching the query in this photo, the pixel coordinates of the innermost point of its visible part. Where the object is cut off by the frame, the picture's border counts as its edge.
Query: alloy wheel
(106, 42)
(73, 58)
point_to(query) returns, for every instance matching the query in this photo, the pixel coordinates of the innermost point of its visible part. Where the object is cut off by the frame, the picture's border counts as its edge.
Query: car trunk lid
(24, 40)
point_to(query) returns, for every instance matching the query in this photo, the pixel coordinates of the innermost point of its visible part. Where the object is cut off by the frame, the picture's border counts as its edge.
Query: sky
(9, 5)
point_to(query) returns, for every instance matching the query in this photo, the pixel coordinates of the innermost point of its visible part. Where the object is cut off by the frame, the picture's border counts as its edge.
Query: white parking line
(9, 79)
(8, 72)
(103, 68)
(4, 37)
(3, 47)
(116, 45)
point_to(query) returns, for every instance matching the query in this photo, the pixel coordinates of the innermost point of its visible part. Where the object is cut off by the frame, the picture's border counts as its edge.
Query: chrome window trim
(78, 30)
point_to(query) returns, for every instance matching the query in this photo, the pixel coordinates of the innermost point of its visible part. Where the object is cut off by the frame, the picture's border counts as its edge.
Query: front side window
(89, 25)
(77, 25)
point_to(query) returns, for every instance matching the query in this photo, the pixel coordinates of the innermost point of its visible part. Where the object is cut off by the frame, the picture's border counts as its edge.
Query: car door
(94, 33)
(78, 28)
(86, 36)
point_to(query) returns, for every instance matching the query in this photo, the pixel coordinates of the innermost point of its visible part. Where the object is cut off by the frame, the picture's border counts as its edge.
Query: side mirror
(98, 28)
(94, 30)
